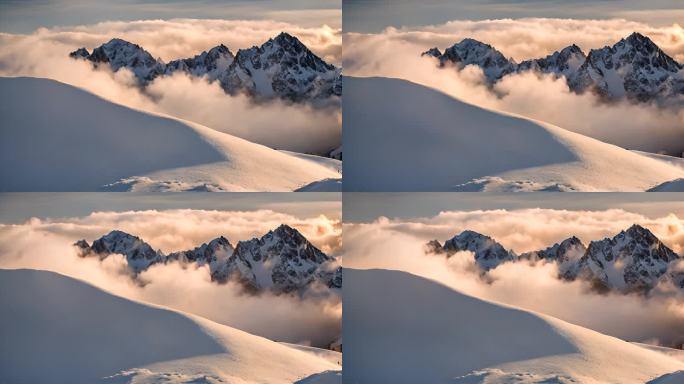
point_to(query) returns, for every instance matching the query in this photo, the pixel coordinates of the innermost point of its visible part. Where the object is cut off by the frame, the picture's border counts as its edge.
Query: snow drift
(439, 335)
(401, 136)
(60, 330)
(56, 137)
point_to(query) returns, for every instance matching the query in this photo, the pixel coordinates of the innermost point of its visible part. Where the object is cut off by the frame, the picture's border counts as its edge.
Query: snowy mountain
(472, 52)
(454, 146)
(80, 334)
(487, 252)
(281, 67)
(565, 62)
(635, 260)
(211, 63)
(634, 68)
(119, 54)
(214, 254)
(448, 337)
(566, 254)
(139, 255)
(282, 261)
(86, 143)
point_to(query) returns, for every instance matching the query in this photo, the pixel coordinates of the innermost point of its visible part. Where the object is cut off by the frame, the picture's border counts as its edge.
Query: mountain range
(281, 261)
(634, 68)
(282, 67)
(634, 260)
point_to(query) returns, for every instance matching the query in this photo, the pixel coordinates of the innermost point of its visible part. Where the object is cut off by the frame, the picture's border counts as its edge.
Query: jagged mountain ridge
(634, 68)
(488, 253)
(634, 260)
(281, 67)
(281, 261)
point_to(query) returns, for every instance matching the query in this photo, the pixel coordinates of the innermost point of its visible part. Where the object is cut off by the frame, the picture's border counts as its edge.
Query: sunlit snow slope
(401, 136)
(401, 328)
(56, 329)
(56, 137)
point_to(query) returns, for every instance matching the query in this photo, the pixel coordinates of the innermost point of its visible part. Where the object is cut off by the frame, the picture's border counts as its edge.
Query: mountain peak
(636, 253)
(286, 230)
(488, 253)
(434, 52)
(469, 51)
(286, 37)
(117, 41)
(571, 49)
(638, 38)
(638, 230)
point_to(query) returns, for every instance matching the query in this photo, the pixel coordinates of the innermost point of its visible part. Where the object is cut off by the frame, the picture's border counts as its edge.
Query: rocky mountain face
(281, 261)
(212, 63)
(634, 68)
(566, 254)
(472, 52)
(139, 255)
(282, 67)
(117, 54)
(487, 252)
(565, 62)
(634, 260)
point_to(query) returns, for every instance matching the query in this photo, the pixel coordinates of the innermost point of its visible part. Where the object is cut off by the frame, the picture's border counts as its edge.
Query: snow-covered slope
(401, 136)
(59, 330)
(448, 337)
(56, 137)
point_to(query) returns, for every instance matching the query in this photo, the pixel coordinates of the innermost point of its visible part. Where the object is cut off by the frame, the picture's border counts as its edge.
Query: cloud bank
(47, 244)
(277, 124)
(396, 53)
(394, 244)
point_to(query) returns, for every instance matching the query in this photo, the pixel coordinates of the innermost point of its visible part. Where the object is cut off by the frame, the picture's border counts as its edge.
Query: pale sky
(19, 207)
(25, 16)
(372, 16)
(366, 207)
